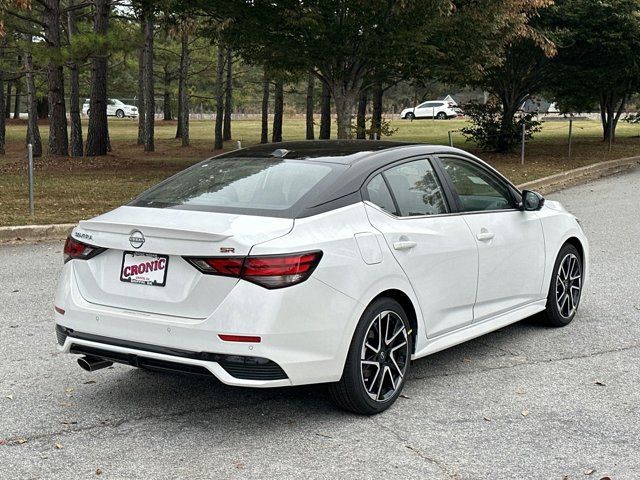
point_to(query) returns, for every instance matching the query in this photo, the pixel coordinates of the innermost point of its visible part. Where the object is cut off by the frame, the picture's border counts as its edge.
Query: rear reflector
(269, 271)
(239, 338)
(59, 310)
(82, 251)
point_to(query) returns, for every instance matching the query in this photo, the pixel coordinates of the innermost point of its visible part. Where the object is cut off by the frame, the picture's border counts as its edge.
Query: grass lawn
(67, 190)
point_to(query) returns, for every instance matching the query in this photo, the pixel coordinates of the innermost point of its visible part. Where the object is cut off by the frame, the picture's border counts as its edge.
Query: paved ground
(524, 403)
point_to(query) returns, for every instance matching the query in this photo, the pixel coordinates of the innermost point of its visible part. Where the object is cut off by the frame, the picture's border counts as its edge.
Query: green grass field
(67, 190)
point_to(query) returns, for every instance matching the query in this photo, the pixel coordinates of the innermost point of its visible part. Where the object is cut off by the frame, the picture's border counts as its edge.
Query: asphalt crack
(20, 439)
(525, 363)
(407, 444)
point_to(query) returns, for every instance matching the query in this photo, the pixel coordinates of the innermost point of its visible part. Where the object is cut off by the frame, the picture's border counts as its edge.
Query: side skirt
(478, 329)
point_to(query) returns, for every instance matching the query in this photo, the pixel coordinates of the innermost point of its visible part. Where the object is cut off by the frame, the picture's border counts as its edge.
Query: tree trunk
(611, 110)
(58, 138)
(141, 108)
(166, 100)
(511, 101)
(278, 111)
(309, 117)
(76, 147)
(361, 117)
(98, 133)
(183, 101)
(16, 100)
(33, 132)
(218, 142)
(376, 112)
(344, 101)
(2, 117)
(228, 97)
(266, 85)
(325, 113)
(149, 90)
(7, 113)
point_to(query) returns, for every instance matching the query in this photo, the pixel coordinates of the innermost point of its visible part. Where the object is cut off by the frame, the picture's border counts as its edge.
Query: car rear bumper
(305, 331)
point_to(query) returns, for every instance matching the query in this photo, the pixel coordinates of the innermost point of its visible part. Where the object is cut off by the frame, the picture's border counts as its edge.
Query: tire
(410, 116)
(120, 113)
(567, 273)
(361, 389)
(441, 116)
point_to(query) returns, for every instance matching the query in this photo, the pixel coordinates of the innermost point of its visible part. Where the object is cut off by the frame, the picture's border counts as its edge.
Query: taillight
(82, 251)
(269, 271)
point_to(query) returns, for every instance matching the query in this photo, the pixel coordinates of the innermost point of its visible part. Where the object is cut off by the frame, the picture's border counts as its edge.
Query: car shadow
(143, 393)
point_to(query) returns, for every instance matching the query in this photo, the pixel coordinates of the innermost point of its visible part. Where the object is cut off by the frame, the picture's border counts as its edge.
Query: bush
(492, 132)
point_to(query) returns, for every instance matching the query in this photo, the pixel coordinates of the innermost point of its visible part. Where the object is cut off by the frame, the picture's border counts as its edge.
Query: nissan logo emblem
(136, 239)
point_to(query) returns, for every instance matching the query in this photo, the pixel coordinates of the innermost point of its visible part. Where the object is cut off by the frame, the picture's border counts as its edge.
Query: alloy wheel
(568, 285)
(384, 356)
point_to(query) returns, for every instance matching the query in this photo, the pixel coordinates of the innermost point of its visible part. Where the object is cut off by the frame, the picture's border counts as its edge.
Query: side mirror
(531, 201)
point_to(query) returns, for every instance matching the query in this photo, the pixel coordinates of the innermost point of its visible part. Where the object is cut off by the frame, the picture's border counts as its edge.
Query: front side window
(477, 189)
(416, 189)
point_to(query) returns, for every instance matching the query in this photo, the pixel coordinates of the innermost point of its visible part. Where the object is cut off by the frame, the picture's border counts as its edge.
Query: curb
(581, 175)
(546, 185)
(34, 233)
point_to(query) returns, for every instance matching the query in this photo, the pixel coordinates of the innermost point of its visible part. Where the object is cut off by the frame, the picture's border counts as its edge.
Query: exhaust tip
(91, 364)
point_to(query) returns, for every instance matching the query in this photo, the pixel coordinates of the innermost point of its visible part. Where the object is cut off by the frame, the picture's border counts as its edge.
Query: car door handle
(404, 245)
(482, 236)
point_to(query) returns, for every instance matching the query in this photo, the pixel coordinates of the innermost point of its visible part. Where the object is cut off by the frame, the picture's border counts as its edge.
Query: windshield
(242, 185)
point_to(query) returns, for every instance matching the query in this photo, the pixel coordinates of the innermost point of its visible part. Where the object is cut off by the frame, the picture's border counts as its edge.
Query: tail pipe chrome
(91, 364)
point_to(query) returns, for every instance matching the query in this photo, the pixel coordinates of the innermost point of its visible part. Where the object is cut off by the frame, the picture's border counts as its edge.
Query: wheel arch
(408, 306)
(575, 241)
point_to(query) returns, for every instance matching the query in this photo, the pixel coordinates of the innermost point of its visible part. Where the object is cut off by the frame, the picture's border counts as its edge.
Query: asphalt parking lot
(525, 402)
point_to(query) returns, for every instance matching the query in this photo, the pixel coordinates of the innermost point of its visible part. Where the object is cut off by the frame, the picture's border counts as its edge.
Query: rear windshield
(242, 185)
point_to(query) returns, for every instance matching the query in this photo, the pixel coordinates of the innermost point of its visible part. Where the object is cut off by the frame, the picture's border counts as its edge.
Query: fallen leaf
(238, 465)
(488, 419)
(98, 471)
(22, 440)
(605, 478)
(566, 477)
(525, 413)
(521, 392)
(69, 422)
(58, 446)
(402, 395)
(10, 397)
(89, 382)
(600, 383)
(589, 471)
(3, 442)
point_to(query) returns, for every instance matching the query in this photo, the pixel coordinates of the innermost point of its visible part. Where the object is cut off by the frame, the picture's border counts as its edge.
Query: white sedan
(432, 109)
(333, 262)
(115, 108)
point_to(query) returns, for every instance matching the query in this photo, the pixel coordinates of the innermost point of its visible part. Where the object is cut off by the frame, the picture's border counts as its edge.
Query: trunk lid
(172, 234)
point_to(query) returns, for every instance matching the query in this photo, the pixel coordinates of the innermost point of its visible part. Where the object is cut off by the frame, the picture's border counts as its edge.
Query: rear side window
(244, 185)
(416, 189)
(379, 194)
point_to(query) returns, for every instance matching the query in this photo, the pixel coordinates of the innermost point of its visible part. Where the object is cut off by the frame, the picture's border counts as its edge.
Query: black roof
(333, 151)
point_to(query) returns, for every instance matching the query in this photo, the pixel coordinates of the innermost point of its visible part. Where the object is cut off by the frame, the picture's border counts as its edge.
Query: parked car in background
(115, 108)
(432, 109)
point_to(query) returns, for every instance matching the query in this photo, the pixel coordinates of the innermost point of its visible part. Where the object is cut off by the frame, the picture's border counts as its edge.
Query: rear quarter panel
(343, 267)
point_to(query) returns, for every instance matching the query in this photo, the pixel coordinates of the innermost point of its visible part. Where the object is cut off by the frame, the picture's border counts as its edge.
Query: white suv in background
(431, 109)
(114, 108)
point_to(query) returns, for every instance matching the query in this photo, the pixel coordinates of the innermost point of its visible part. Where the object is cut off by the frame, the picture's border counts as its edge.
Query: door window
(416, 189)
(379, 194)
(478, 189)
